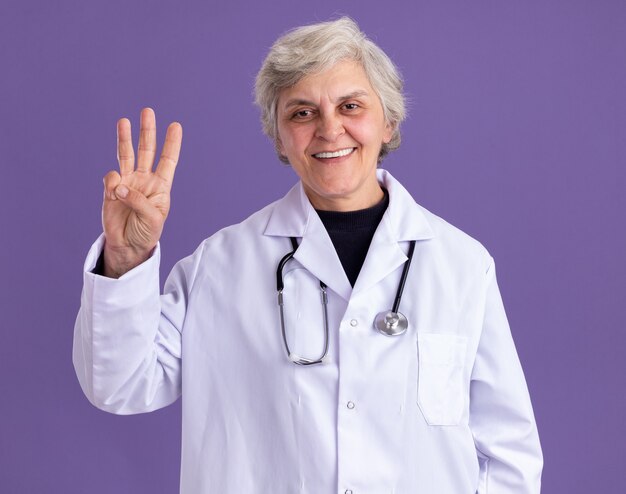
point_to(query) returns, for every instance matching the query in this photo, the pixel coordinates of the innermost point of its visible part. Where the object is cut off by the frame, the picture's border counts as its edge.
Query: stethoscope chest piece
(391, 323)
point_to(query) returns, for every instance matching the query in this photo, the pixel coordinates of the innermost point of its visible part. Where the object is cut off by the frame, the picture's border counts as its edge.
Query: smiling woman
(331, 127)
(288, 397)
(313, 49)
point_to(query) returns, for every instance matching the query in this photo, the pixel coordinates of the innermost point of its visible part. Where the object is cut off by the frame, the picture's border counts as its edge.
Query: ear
(388, 132)
(279, 145)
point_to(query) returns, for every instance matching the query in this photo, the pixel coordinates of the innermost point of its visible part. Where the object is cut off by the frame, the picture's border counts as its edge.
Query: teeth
(336, 154)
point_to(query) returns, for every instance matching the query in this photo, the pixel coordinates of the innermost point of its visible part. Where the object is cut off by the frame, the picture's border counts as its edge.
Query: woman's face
(331, 127)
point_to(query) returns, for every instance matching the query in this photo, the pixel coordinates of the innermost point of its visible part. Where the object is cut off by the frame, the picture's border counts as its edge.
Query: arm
(127, 342)
(127, 337)
(501, 415)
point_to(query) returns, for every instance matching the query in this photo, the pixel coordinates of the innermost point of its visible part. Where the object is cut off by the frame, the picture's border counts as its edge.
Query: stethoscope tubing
(389, 323)
(405, 273)
(280, 287)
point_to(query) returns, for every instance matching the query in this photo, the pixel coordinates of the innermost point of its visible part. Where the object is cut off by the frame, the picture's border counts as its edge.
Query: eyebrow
(297, 101)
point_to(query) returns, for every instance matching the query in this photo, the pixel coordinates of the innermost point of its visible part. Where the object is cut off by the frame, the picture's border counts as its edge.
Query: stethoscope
(388, 323)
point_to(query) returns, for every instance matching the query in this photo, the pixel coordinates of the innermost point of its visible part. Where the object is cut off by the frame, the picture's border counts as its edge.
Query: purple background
(516, 134)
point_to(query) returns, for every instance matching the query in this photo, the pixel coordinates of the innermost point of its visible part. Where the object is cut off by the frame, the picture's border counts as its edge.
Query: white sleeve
(501, 415)
(127, 337)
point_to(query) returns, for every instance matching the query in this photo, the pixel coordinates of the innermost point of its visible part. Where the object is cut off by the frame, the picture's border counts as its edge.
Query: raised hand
(137, 199)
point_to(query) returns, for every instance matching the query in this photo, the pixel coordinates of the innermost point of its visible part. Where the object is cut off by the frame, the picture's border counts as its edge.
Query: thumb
(134, 199)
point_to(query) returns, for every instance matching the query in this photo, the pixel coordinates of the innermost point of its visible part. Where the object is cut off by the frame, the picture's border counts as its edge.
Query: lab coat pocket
(440, 389)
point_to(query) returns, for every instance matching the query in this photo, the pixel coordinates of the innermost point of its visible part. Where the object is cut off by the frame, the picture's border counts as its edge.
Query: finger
(125, 151)
(111, 181)
(170, 153)
(146, 150)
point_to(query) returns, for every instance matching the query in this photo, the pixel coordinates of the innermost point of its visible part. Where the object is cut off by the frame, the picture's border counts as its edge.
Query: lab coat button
(354, 323)
(350, 405)
(348, 491)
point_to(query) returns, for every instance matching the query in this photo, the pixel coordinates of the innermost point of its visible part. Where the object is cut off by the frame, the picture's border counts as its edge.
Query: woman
(303, 396)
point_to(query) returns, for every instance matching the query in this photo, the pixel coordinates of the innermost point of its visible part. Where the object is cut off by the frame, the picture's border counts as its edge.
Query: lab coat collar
(405, 218)
(294, 216)
(403, 221)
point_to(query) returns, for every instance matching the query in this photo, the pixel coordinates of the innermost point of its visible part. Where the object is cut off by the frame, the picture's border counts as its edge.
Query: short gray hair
(311, 49)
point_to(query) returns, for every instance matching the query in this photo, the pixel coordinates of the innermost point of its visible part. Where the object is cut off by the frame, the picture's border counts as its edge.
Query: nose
(329, 127)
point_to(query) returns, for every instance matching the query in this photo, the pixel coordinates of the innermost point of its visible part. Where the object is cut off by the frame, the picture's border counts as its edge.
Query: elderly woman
(404, 379)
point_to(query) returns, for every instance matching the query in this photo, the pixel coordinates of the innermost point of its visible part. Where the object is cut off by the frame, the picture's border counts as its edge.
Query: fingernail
(121, 191)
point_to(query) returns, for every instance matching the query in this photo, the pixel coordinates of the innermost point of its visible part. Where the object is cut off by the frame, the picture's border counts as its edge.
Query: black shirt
(352, 233)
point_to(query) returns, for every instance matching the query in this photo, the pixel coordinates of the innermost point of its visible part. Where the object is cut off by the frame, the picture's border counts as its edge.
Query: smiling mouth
(334, 154)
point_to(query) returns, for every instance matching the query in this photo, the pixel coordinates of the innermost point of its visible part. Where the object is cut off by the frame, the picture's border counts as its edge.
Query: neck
(346, 204)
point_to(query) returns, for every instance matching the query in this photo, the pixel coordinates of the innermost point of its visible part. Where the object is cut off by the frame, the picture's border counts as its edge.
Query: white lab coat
(442, 409)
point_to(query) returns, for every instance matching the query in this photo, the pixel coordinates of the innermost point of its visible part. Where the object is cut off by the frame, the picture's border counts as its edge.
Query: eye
(351, 106)
(302, 114)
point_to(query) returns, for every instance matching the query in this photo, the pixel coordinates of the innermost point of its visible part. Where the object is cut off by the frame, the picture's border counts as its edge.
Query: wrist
(119, 261)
